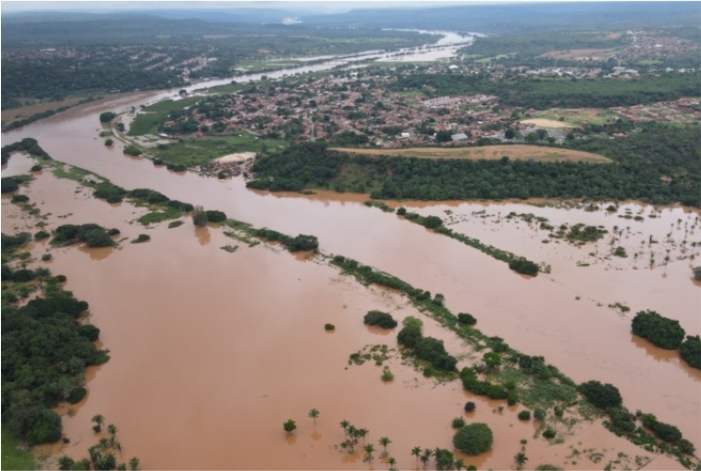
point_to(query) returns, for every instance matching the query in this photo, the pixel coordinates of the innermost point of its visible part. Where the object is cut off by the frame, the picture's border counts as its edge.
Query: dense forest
(45, 349)
(659, 164)
(557, 93)
(25, 79)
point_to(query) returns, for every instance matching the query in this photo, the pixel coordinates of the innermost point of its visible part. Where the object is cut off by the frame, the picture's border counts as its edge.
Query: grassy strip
(13, 457)
(434, 223)
(378, 204)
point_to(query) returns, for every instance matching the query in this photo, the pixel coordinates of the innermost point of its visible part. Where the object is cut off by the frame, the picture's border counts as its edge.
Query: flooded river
(212, 351)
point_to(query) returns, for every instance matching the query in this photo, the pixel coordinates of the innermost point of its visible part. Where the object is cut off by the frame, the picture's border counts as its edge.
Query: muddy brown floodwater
(212, 351)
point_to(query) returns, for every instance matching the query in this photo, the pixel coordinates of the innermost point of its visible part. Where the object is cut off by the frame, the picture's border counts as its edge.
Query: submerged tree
(314, 414)
(289, 426)
(199, 216)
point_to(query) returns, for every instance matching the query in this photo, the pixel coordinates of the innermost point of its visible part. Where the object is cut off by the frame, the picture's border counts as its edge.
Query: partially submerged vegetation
(434, 223)
(46, 347)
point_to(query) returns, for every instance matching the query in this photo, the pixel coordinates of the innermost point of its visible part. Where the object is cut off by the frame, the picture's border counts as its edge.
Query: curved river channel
(211, 351)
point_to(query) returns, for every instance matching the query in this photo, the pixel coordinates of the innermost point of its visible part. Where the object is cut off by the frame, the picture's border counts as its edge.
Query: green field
(200, 151)
(157, 113)
(12, 457)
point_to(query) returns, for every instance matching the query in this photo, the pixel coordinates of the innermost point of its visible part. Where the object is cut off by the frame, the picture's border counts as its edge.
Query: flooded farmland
(211, 351)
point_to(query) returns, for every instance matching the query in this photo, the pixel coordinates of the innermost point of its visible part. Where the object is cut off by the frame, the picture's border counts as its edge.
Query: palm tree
(416, 451)
(520, 459)
(362, 432)
(391, 462)
(353, 433)
(344, 425)
(99, 419)
(384, 441)
(369, 450)
(95, 455)
(104, 443)
(134, 464)
(65, 463)
(314, 414)
(459, 464)
(425, 457)
(112, 430)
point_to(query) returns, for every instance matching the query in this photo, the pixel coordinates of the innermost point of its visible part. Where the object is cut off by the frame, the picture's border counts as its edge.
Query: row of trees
(608, 398)
(640, 162)
(668, 334)
(540, 93)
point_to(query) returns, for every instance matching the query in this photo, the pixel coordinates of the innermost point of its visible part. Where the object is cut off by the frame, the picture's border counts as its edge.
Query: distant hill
(521, 18)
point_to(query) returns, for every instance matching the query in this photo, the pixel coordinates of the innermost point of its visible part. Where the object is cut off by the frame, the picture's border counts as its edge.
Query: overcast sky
(325, 6)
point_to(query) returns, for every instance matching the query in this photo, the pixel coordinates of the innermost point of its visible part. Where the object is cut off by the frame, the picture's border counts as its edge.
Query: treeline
(540, 93)
(23, 79)
(660, 165)
(18, 123)
(434, 223)
(668, 334)
(29, 145)
(535, 44)
(665, 437)
(45, 349)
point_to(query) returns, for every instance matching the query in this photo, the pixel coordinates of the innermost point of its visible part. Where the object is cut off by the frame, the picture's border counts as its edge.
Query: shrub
(89, 331)
(216, 216)
(601, 395)
(175, 224)
(401, 211)
(409, 336)
(329, 327)
(132, 150)
(141, 239)
(180, 206)
(466, 319)
(199, 216)
(387, 375)
(620, 252)
(98, 238)
(663, 332)
(107, 117)
(458, 422)
(19, 199)
(549, 433)
(470, 406)
(512, 399)
(380, 319)
(9, 185)
(474, 439)
(302, 243)
(157, 161)
(46, 257)
(41, 235)
(432, 222)
(113, 232)
(559, 412)
(525, 267)
(109, 142)
(690, 351)
(109, 192)
(697, 273)
(433, 351)
(539, 414)
(77, 395)
(524, 415)
(289, 426)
